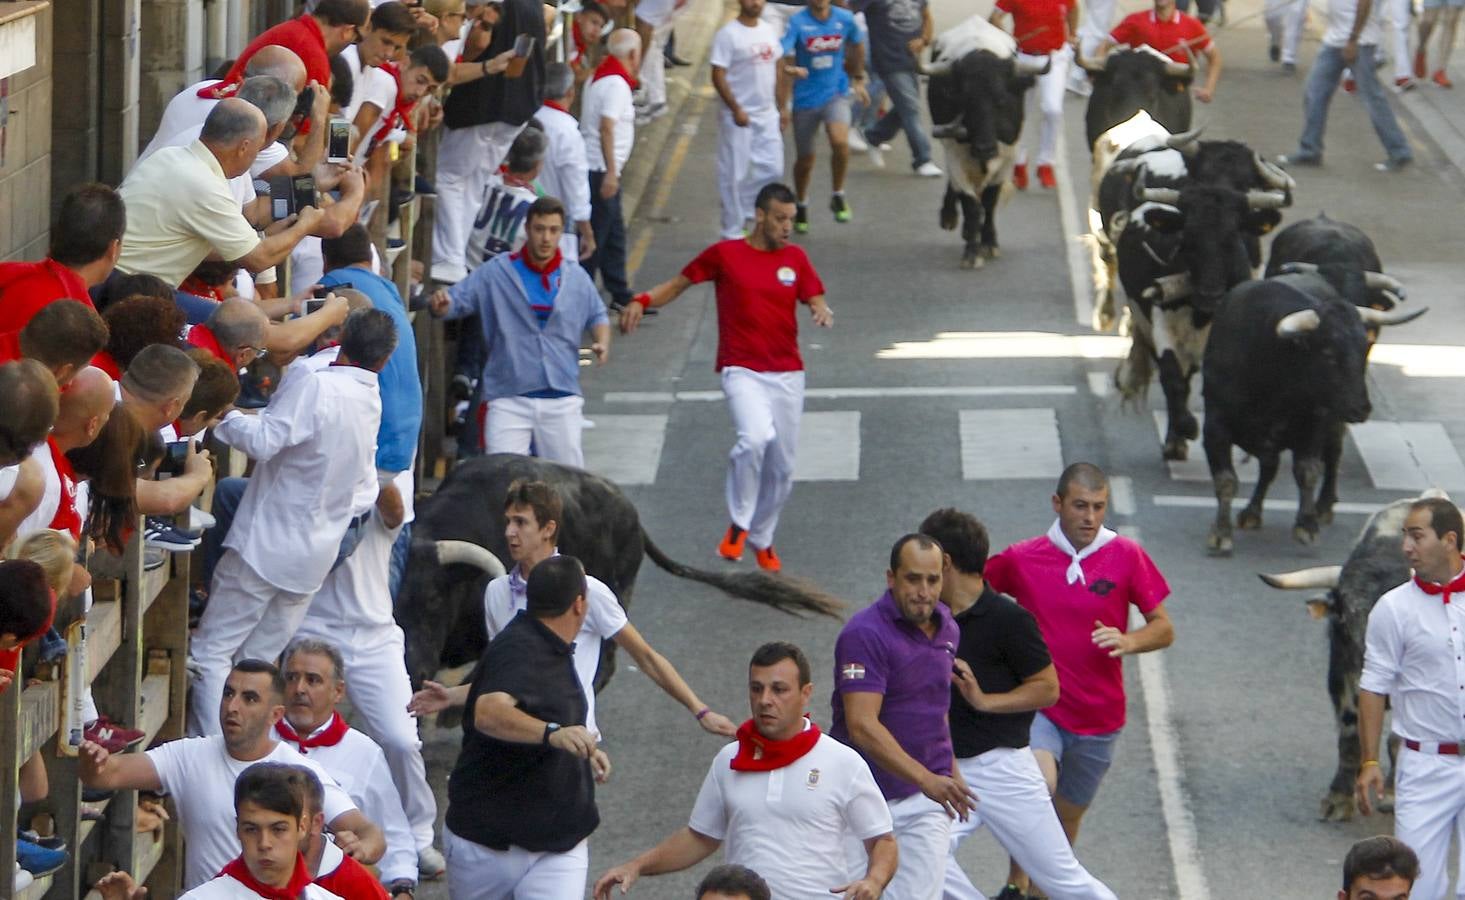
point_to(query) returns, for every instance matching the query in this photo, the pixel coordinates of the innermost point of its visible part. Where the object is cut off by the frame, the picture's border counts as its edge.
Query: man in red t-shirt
(1178, 35)
(86, 239)
(1045, 29)
(315, 37)
(761, 279)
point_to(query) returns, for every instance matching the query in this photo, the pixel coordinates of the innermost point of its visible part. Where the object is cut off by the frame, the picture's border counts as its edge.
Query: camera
(338, 145)
(289, 194)
(175, 458)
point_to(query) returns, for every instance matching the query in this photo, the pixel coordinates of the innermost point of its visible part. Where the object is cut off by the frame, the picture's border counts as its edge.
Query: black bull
(458, 539)
(1130, 80)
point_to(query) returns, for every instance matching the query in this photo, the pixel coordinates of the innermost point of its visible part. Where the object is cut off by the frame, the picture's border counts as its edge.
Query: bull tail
(795, 596)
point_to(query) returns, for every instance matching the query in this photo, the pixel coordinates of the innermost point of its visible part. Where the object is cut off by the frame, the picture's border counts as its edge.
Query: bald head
(239, 327)
(234, 132)
(85, 407)
(281, 62)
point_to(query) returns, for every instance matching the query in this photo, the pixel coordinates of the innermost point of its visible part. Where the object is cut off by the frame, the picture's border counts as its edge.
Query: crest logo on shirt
(824, 43)
(813, 780)
(763, 52)
(1102, 587)
(852, 672)
(786, 276)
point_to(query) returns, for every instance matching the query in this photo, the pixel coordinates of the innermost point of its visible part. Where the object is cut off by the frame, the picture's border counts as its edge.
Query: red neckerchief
(221, 91)
(67, 519)
(555, 104)
(613, 66)
(299, 879)
(757, 753)
(329, 738)
(195, 286)
(580, 45)
(400, 112)
(544, 271)
(202, 336)
(1454, 587)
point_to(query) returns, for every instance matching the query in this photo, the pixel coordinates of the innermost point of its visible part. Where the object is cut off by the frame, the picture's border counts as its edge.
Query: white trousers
(476, 872)
(1013, 802)
(1098, 19)
(653, 65)
(1285, 19)
(551, 426)
(748, 158)
(247, 618)
(765, 408)
(1400, 12)
(1429, 809)
(466, 157)
(923, 836)
(1045, 100)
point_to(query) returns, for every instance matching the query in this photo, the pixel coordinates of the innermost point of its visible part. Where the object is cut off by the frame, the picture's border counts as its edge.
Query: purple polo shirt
(879, 651)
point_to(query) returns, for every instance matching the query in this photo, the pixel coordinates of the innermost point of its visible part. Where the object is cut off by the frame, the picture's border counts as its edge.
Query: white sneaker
(198, 520)
(23, 879)
(857, 141)
(430, 864)
(877, 158)
(929, 169)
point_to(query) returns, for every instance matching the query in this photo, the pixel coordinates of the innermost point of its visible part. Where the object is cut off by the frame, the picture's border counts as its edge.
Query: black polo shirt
(528, 795)
(1001, 642)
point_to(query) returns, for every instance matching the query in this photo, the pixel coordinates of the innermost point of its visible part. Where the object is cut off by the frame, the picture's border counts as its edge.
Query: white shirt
(791, 825)
(360, 767)
(241, 186)
(200, 774)
(1340, 23)
(608, 98)
(1412, 652)
(226, 888)
(370, 85)
(356, 594)
(499, 225)
(315, 453)
(565, 174)
(40, 517)
(750, 58)
(186, 110)
(604, 619)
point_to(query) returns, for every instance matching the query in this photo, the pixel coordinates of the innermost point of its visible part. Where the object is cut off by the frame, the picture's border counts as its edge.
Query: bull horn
(1393, 298)
(1266, 199)
(1324, 577)
(1092, 66)
(1169, 288)
(1378, 281)
(469, 554)
(1167, 196)
(1178, 70)
(1299, 323)
(1297, 268)
(1378, 318)
(1272, 175)
(1185, 140)
(1027, 65)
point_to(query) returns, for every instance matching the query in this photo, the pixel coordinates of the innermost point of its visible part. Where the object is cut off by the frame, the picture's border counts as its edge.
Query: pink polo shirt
(1091, 684)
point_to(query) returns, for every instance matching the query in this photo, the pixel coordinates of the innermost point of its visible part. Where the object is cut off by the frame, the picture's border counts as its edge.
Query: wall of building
(25, 141)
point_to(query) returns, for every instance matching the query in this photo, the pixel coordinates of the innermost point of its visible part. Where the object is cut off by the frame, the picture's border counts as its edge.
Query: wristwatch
(403, 886)
(549, 729)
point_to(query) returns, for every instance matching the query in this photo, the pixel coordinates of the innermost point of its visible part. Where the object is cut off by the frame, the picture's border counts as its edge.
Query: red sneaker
(1403, 84)
(1349, 85)
(768, 561)
(731, 547)
(1045, 176)
(1020, 176)
(1419, 66)
(1441, 79)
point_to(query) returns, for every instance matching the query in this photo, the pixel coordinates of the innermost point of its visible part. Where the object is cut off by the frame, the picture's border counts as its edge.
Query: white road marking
(998, 444)
(1009, 345)
(1344, 508)
(1195, 468)
(829, 447)
(1121, 495)
(625, 449)
(857, 393)
(1409, 456)
(1072, 230)
(1101, 384)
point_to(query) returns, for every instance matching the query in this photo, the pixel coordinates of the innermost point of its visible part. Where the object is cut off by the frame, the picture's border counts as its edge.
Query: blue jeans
(1322, 83)
(905, 101)
(866, 115)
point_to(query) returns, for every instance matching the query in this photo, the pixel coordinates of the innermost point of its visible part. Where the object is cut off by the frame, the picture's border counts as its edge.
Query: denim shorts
(1082, 758)
(806, 122)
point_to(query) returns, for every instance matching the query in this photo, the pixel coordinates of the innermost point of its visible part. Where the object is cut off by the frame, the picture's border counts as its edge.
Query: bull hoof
(1304, 535)
(948, 220)
(1219, 544)
(1177, 449)
(1249, 518)
(1325, 514)
(1187, 427)
(1337, 807)
(991, 251)
(971, 260)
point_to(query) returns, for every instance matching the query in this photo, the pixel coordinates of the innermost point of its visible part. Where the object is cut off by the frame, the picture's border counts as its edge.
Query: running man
(1044, 30)
(823, 61)
(745, 60)
(1178, 35)
(760, 280)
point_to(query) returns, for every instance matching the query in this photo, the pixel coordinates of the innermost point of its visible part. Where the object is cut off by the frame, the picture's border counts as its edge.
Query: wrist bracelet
(1366, 763)
(702, 713)
(644, 299)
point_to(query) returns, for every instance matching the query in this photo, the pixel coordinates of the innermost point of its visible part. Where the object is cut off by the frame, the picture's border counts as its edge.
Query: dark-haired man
(387, 98)
(1379, 868)
(761, 280)
(1081, 565)
(731, 882)
(1003, 675)
(331, 868)
(892, 691)
(62, 336)
(532, 310)
(199, 773)
(1411, 656)
(316, 36)
(782, 784)
(521, 800)
(86, 239)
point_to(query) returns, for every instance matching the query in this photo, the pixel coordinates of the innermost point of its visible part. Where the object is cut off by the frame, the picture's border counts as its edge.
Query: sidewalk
(1441, 114)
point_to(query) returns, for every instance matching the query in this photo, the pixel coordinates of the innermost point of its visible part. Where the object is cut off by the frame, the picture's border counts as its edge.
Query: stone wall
(25, 139)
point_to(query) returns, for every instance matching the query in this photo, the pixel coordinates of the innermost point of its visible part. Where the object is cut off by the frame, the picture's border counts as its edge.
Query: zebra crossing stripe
(1001, 444)
(829, 447)
(625, 448)
(1409, 456)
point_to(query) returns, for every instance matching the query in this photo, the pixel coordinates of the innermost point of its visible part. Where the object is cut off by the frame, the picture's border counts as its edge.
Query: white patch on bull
(1165, 163)
(975, 33)
(1114, 141)
(1177, 333)
(967, 176)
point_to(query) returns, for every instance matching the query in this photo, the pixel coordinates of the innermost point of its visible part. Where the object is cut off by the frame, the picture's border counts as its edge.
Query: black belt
(359, 520)
(1444, 749)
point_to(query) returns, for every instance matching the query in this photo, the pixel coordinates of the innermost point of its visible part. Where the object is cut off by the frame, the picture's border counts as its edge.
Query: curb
(696, 26)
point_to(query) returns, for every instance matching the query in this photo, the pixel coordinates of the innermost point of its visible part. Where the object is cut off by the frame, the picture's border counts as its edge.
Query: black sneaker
(840, 208)
(1012, 892)
(801, 219)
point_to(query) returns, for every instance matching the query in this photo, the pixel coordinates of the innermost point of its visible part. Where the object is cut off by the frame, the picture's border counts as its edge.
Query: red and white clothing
(1412, 654)
(758, 294)
(1036, 573)
(58, 506)
(608, 96)
(203, 337)
(236, 883)
(661, 15)
(302, 35)
(565, 174)
(27, 287)
(358, 765)
(466, 157)
(1169, 36)
(815, 805)
(1040, 26)
(749, 156)
(345, 877)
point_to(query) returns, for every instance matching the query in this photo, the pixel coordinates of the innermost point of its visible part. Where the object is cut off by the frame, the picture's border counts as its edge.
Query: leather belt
(1442, 749)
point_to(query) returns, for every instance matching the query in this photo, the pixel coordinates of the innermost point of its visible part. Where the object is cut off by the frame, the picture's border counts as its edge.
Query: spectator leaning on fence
(86, 238)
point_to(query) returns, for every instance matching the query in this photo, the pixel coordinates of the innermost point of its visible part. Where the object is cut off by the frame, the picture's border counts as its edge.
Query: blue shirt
(401, 388)
(819, 47)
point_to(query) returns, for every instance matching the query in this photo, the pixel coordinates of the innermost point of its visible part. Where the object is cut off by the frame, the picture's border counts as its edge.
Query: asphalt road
(1230, 741)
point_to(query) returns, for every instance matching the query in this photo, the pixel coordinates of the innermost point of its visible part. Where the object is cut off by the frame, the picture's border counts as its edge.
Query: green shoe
(840, 208)
(801, 219)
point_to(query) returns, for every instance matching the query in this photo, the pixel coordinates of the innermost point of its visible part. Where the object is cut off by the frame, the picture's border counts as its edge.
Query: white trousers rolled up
(476, 872)
(1013, 803)
(1285, 19)
(1043, 107)
(466, 157)
(551, 426)
(765, 409)
(748, 157)
(1429, 809)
